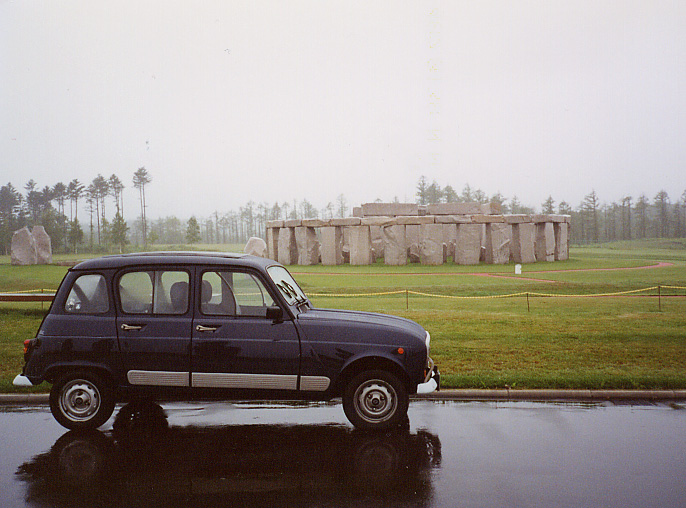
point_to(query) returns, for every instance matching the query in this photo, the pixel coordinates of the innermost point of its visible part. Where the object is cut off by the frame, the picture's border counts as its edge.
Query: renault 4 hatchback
(216, 325)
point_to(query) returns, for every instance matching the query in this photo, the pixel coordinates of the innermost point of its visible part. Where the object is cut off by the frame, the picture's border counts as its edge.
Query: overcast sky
(225, 102)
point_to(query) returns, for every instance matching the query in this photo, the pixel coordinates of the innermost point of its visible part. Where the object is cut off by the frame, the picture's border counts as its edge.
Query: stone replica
(23, 249)
(256, 247)
(43, 245)
(401, 232)
(522, 248)
(395, 244)
(497, 247)
(431, 244)
(332, 245)
(307, 244)
(360, 245)
(287, 253)
(31, 247)
(545, 241)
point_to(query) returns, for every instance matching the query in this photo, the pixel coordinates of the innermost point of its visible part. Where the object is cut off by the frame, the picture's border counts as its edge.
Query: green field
(574, 340)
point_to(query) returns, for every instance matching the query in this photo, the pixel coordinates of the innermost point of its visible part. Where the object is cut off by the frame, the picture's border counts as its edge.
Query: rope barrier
(511, 295)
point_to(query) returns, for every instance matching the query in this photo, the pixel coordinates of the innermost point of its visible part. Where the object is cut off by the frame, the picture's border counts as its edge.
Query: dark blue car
(216, 325)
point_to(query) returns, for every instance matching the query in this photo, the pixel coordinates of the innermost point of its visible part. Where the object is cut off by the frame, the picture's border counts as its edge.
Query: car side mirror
(275, 313)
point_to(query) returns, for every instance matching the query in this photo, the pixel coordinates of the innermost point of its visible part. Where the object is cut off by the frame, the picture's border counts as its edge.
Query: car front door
(235, 346)
(154, 326)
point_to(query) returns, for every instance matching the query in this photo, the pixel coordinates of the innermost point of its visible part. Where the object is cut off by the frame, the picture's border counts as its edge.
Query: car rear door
(154, 325)
(234, 345)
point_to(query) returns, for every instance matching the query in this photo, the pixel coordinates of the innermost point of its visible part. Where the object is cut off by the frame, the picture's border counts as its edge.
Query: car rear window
(88, 295)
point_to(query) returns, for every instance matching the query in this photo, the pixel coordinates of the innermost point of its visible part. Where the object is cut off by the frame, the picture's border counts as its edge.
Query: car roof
(162, 258)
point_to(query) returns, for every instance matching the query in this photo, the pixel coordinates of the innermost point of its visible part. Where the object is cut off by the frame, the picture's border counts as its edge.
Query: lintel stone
(275, 224)
(347, 221)
(517, 219)
(453, 219)
(293, 223)
(314, 223)
(378, 221)
(415, 220)
(389, 209)
(487, 219)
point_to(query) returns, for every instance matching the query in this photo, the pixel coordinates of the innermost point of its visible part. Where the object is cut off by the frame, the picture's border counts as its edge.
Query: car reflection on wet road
(453, 454)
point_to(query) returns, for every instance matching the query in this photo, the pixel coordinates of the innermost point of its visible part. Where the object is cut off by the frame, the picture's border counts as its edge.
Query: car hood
(369, 318)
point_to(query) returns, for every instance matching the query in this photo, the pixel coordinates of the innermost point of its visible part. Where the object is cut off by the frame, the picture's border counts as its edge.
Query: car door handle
(202, 328)
(128, 328)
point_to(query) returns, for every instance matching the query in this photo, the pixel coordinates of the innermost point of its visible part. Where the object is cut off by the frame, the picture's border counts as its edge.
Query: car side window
(154, 292)
(228, 293)
(88, 295)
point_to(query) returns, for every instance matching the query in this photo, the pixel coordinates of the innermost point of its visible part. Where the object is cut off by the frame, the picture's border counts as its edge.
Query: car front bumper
(432, 382)
(21, 380)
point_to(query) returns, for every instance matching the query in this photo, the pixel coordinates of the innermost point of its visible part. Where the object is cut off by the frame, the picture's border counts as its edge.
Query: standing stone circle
(401, 232)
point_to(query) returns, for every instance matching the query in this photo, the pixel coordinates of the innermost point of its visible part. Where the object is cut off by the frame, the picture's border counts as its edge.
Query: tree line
(593, 220)
(101, 227)
(57, 209)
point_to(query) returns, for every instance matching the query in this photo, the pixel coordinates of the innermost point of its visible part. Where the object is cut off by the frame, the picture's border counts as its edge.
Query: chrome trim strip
(157, 378)
(314, 383)
(249, 381)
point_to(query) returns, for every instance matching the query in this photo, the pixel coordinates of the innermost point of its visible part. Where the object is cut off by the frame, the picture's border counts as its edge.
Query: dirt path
(661, 264)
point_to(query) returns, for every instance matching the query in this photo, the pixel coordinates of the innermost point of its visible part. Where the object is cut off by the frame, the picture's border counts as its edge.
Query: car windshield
(287, 285)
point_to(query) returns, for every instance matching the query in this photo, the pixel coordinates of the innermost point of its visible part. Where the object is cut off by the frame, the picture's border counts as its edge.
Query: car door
(235, 346)
(154, 325)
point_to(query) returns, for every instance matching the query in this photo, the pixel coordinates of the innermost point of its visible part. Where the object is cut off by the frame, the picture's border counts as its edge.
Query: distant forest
(90, 218)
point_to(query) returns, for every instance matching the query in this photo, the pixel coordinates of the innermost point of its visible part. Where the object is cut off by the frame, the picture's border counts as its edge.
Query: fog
(225, 102)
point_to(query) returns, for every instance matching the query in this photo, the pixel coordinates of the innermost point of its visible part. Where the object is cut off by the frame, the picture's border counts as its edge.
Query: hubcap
(80, 400)
(375, 401)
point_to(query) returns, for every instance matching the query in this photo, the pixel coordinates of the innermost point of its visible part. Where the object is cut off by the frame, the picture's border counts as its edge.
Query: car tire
(81, 400)
(375, 399)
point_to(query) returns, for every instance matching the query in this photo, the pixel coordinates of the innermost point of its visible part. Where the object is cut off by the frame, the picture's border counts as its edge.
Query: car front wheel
(375, 399)
(81, 400)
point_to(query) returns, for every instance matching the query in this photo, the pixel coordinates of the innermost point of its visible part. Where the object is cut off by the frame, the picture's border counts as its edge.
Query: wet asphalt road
(454, 454)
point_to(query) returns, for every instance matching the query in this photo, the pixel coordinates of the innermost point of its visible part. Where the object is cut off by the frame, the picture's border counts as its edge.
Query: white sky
(225, 102)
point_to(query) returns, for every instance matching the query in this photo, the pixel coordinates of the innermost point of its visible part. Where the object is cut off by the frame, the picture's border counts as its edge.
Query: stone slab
(43, 245)
(468, 246)
(431, 244)
(287, 248)
(347, 221)
(314, 223)
(414, 220)
(389, 209)
(561, 241)
(545, 241)
(308, 246)
(487, 219)
(360, 245)
(23, 248)
(275, 224)
(395, 245)
(379, 221)
(498, 239)
(292, 223)
(517, 218)
(273, 243)
(453, 219)
(332, 245)
(256, 247)
(522, 248)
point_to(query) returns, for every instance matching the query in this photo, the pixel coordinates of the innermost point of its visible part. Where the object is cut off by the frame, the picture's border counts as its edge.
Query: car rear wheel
(81, 400)
(375, 399)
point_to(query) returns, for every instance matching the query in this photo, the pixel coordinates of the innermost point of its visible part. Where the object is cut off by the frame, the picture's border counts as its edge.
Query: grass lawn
(479, 342)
